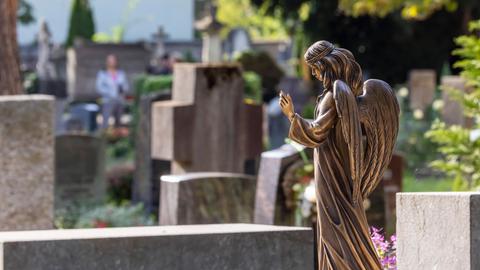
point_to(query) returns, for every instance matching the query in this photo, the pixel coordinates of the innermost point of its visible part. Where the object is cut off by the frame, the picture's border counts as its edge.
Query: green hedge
(146, 84)
(253, 86)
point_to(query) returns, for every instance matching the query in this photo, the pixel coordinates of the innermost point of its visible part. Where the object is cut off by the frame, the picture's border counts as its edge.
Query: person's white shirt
(108, 86)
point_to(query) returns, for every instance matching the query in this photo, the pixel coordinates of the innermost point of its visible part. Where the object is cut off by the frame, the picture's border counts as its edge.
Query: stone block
(198, 247)
(79, 170)
(26, 162)
(173, 122)
(224, 132)
(438, 230)
(206, 198)
(268, 206)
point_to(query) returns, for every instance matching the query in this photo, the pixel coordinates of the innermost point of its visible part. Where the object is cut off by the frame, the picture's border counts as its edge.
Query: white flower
(403, 92)
(366, 204)
(418, 114)
(310, 194)
(474, 135)
(437, 104)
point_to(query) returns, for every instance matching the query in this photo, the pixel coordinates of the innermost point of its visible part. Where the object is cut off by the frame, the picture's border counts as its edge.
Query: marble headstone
(206, 198)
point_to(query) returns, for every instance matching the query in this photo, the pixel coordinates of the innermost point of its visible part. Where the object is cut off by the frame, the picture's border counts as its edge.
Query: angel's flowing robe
(344, 239)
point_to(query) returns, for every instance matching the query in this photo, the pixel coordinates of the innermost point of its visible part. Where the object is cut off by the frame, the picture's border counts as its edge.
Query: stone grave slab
(452, 112)
(268, 206)
(145, 186)
(422, 84)
(194, 247)
(438, 230)
(80, 170)
(206, 198)
(26, 162)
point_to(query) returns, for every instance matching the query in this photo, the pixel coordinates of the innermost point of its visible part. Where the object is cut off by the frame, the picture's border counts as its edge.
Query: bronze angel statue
(353, 135)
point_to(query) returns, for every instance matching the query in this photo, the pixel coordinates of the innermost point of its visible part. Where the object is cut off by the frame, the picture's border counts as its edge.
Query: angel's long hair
(335, 64)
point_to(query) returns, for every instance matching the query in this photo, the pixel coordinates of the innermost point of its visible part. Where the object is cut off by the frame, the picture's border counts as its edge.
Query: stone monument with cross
(206, 126)
(159, 43)
(212, 42)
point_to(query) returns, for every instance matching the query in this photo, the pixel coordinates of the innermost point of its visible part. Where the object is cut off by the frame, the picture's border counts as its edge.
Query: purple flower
(386, 250)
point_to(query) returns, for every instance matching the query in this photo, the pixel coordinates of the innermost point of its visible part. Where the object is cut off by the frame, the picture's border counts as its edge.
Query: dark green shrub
(266, 67)
(81, 22)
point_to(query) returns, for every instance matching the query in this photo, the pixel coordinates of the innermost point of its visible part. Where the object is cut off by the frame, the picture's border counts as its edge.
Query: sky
(176, 16)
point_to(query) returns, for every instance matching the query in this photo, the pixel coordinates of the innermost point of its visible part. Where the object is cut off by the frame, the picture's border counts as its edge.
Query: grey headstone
(438, 230)
(269, 208)
(147, 170)
(206, 198)
(452, 112)
(422, 84)
(26, 162)
(80, 170)
(198, 247)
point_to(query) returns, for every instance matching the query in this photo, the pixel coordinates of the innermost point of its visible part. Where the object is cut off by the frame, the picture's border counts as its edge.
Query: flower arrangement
(386, 250)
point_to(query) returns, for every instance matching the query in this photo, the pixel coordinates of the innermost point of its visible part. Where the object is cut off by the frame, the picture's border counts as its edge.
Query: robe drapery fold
(344, 241)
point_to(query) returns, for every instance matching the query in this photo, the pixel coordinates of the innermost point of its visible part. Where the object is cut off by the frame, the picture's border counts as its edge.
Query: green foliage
(262, 64)
(376, 42)
(100, 216)
(411, 136)
(241, 13)
(253, 86)
(81, 22)
(25, 13)
(146, 84)
(111, 215)
(118, 31)
(411, 9)
(431, 184)
(460, 146)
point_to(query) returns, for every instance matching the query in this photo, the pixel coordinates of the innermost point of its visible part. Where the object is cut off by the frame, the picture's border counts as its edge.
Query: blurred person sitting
(112, 85)
(161, 66)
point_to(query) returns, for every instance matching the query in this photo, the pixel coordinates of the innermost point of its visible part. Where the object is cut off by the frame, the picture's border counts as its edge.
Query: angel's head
(329, 64)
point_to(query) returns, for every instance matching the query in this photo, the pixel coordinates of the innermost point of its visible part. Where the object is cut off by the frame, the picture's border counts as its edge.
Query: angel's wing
(375, 113)
(379, 112)
(348, 112)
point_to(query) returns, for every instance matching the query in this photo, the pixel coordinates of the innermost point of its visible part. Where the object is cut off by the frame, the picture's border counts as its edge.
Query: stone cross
(206, 198)
(159, 42)
(422, 84)
(212, 43)
(206, 126)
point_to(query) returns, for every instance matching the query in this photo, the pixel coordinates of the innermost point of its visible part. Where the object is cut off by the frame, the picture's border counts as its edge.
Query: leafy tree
(242, 13)
(460, 146)
(376, 42)
(412, 9)
(81, 22)
(25, 12)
